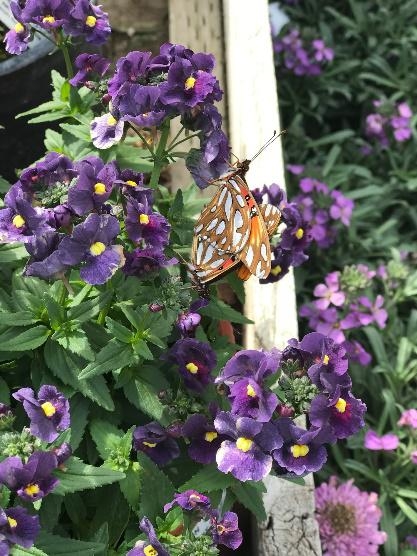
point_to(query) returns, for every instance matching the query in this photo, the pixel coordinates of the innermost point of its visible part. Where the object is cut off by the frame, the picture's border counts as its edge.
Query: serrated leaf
(12, 252)
(119, 331)
(106, 436)
(207, 479)
(80, 131)
(63, 546)
(219, 310)
(81, 476)
(30, 339)
(79, 411)
(131, 488)
(20, 551)
(141, 348)
(22, 318)
(144, 397)
(87, 310)
(75, 341)
(114, 355)
(156, 488)
(251, 498)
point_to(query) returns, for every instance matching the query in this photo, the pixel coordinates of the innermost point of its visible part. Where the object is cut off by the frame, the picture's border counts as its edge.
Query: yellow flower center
(299, 450)
(144, 219)
(32, 490)
(12, 522)
(192, 368)
(340, 405)
(149, 444)
(99, 188)
(150, 551)
(210, 436)
(111, 120)
(48, 409)
(189, 83)
(131, 183)
(299, 233)
(244, 444)
(48, 19)
(276, 270)
(97, 248)
(19, 27)
(18, 221)
(250, 391)
(90, 21)
(326, 359)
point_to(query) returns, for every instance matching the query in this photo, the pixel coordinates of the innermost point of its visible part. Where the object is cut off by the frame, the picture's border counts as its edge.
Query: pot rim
(36, 51)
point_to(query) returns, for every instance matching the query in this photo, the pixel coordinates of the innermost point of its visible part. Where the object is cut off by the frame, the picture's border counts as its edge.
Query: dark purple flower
(17, 39)
(195, 360)
(211, 160)
(90, 245)
(246, 457)
(17, 526)
(20, 221)
(32, 480)
(88, 64)
(131, 183)
(143, 225)
(226, 530)
(140, 105)
(302, 451)
(152, 439)
(48, 14)
(62, 453)
(88, 21)
(48, 413)
(204, 439)
(152, 547)
(106, 130)
(387, 442)
(131, 68)
(143, 262)
(249, 399)
(326, 357)
(44, 261)
(250, 363)
(189, 500)
(280, 265)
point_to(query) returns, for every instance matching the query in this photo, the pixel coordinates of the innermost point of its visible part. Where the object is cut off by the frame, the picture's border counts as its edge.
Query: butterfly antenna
(269, 142)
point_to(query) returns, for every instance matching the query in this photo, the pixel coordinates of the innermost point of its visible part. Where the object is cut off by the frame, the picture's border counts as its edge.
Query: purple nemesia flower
(106, 131)
(249, 399)
(17, 39)
(143, 262)
(88, 21)
(280, 265)
(32, 480)
(131, 183)
(19, 221)
(90, 244)
(48, 14)
(211, 160)
(329, 325)
(226, 530)
(87, 64)
(302, 451)
(62, 453)
(195, 360)
(143, 225)
(44, 260)
(342, 207)
(412, 541)
(323, 52)
(189, 500)
(344, 415)
(152, 547)
(131, 68)
(48, 413)
(17, 526)
(204, 439)
(247, 456)
(308, 185)
(408, 418)
(152, 439)
(329, 292)
(348, 519)
(250, 363)
(356, 352)
(140, 105)
(387, 442)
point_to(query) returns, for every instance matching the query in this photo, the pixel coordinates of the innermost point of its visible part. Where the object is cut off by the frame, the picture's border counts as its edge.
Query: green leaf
(79, 131)
(219, 310)
(131, 488)
(49, 106)
(20, 551)
(114, 355)
(12, 252)
(105, 436)
(156, 488)
(145, 397)
(25, 341)
(75, 341)
(131, 157)
(79, 412)
(209, 478)
(22, 318)
(56, 312)
(80, 476)
(84, 311)
(119, 331)
(63, 546)
(251, 498)
(141, 348)
(337, 137)
(407, 510)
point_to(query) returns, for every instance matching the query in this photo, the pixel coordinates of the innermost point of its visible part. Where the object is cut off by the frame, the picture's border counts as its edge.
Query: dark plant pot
(25, 82)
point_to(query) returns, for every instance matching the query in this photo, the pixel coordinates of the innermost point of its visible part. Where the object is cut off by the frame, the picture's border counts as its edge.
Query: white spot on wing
(217, 263)
(222, 195)
(234, 184)
(263, 251)
(220, 227)
(238, 220)
(212, 224)
(240, 200)
(198, 229)
(259, 272)
(209, 254)
(228, 204)
(249, 256)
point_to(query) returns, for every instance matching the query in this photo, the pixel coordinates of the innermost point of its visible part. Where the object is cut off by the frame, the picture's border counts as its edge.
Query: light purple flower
(17, 39)
(295, 169)
(329, 292)
(408, 418)
(342, 208)
(226, 530)
(106, 131)
(387, 442)
(189, 500)
(413, 457)
(356, 352)
(323, 52)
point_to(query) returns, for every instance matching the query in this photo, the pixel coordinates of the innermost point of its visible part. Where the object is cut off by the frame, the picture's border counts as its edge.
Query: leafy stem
(159, 156)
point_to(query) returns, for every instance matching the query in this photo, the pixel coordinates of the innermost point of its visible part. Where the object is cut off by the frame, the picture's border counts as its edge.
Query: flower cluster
(146, 91)
(257, 435)
(67, 214)
(342, 305)
(389, 120)
(302, 57)
(27, 472)
(59, 18)
(348, 519)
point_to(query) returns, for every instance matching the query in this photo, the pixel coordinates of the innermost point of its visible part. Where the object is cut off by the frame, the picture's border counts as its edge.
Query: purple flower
(62, 453)
(387, 442)
(88, 21)
(308, 185)
(32, 480)
(376, 312)
(204, 439)
(329, 325)
(408, 418)
(188, 322)
(152, 547)
(323, 52)
(356, 352)
(195, 360)
(226, 531)
(250, 363)
(329, 292)
(140, 105)
(90, 244)
(106, 130)
(412, 541)
(143, 225)
(343, 414)
(17, 39)
(143, 262)
(413, 457)
(189, 500)
(87, 64)
(247, 456)
(249, 399)
(342, 208)
(152, 439)
(20, 221)
(211, 160)
(302, 451)
(44, 259)
(48, 413)
(295, 169)
(17, 526)
(48, 14)
(131, 183)
(131, 68)
(348, 519)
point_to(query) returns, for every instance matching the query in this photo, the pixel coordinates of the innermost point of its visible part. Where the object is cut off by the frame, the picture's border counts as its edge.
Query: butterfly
(232, 232)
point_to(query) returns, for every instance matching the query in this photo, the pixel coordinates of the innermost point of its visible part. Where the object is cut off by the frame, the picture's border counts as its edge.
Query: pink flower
(408, 419)
(413, 457)
(404, 110)
(385, 442)
(348, 519)
(329, 292)
(295, 169)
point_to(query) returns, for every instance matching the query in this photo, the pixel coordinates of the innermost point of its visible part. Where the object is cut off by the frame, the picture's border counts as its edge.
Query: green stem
(68, 63)
(44, 35)
(175, 138)
(171, 147)
(143, 139)
(159, 157)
